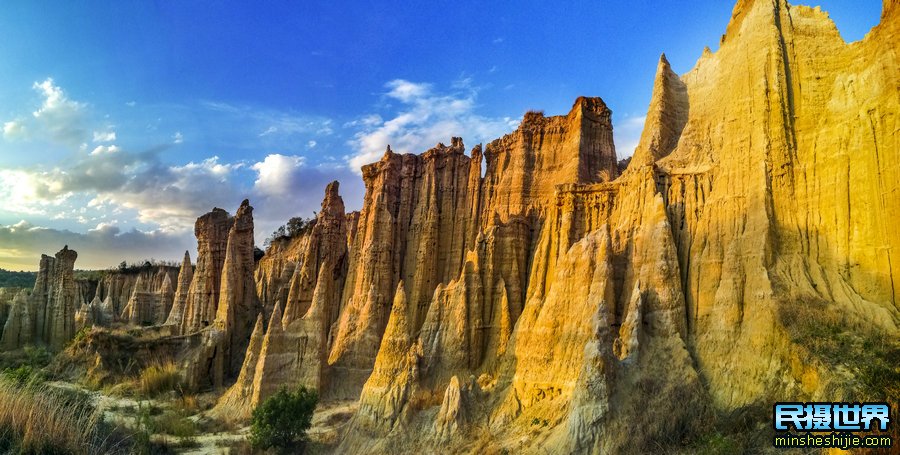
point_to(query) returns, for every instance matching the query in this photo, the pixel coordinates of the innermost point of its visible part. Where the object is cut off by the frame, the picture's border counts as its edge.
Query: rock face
(293, 348)
(179, 303)
(202, 299)
(424, 215)
(221, 304)
(551, 304)
(47, 314)
(238, 306)
(589, 301)
(151, 300)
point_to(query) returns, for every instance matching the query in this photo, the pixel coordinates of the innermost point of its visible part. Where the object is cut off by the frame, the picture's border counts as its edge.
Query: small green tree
(281, 421)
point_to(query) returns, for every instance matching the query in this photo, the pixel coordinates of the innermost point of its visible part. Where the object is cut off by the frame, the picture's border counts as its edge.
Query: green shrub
(37, 357)
(172, 424)
(24, 375)
(282, 420)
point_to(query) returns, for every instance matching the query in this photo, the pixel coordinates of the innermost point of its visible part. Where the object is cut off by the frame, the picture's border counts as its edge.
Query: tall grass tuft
(38, 419)
(159, 378)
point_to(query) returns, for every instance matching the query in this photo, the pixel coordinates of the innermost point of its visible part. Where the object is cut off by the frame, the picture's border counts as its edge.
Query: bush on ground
(282, 420)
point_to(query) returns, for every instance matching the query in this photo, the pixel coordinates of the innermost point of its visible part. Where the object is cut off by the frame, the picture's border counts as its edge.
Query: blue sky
(124, 121)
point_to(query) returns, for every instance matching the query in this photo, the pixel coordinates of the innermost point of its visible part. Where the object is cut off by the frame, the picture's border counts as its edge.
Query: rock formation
(179, 302)
(555, 301)
(294, 347)
(47, 314)
(583, 299)
(221, 304)
(238, 306)
(150, 300)
(202, 299)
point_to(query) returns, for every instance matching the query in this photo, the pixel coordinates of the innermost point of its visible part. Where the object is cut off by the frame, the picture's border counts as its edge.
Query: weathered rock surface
(586, 302)
(47, 314)
(216, 350)
(202, 300)
(179, 302)
(150, 300)
(294, 347)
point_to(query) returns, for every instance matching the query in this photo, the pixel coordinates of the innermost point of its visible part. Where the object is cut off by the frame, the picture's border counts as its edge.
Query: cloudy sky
(122, 122)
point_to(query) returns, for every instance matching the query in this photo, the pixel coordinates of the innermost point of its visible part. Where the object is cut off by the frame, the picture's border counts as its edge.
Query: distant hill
(9, 278)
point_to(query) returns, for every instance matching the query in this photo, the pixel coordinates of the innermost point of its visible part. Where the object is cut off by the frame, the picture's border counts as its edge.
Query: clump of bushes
(281, 421)
(295, 227)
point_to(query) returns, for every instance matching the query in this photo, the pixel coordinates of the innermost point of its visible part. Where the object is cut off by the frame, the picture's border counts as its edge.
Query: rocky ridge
(534, 296)
(552, 289)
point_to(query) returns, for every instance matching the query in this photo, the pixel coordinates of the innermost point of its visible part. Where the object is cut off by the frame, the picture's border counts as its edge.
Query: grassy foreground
(38, 419)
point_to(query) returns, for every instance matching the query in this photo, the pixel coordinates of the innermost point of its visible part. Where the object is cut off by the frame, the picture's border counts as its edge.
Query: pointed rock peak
(664, 69)
(258, 327)
(400, 296)
(454, 383)
(332, 189)
(655, 212)
(477, 151)
(387, 153)
(663, 61)
(186, 262)
(245, 203)
(398, 325)
(275, 319)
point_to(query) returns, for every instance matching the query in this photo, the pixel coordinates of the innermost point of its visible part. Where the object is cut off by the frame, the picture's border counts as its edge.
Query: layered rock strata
(46, 315)
(292, 349)
(586, 300)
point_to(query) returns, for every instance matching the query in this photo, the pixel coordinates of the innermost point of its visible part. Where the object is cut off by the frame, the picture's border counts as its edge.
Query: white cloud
(60, 117)
(104, 136)
(104, 246)
(101, 149)
(407, 91)
(277, 174)
(271, 121)
(100, 182)
(627, 135)
(14, 130)
(424, 118)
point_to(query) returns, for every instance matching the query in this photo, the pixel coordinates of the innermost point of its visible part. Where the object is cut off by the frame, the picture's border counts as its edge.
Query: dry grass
(187, 404)
(158, 379)
(40, 419)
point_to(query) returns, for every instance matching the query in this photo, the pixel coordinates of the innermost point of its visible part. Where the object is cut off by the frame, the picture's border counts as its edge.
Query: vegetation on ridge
(11, 279)
(295, 227)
